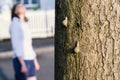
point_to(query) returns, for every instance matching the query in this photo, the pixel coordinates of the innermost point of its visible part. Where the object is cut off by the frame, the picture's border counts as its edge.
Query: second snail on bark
(77, 48)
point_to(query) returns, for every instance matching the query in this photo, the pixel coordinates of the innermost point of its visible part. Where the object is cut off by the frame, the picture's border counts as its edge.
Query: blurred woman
(24, 59)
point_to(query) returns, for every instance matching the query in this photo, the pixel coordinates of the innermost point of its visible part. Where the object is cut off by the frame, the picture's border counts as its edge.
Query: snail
(65, 22)
(77, 48)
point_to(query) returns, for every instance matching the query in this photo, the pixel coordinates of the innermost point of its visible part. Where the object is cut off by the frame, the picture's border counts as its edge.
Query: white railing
(42, 24)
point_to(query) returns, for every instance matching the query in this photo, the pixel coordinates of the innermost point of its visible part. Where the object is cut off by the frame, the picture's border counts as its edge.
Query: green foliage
(35, 8)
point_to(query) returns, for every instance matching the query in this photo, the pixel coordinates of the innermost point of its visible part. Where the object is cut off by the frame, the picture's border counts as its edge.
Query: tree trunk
(93, 27)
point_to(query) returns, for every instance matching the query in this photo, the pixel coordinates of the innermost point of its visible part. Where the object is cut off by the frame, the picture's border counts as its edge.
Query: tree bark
(95, 26)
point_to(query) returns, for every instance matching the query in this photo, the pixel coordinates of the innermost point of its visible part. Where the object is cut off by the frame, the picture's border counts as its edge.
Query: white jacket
(21, 40)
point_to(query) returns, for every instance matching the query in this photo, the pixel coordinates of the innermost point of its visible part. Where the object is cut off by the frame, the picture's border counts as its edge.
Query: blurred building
(41, 4)
(41, 15)
(30, 4)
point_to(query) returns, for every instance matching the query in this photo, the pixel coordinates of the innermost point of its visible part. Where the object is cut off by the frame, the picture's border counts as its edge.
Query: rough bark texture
(96, 25)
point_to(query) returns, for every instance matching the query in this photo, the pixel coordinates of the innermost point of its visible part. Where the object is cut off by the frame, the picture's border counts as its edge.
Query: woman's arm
(23, 65)
(16, 38)
(37, 66)
(17, 44)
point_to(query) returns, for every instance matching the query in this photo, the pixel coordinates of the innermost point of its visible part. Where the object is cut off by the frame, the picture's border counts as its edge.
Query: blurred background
(41, 15)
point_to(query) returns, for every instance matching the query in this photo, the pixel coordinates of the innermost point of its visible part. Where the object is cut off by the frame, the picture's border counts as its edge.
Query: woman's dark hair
(15, 15)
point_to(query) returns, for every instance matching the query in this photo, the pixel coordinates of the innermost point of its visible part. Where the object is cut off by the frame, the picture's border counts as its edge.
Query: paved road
(45, 49)
(37, 43)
